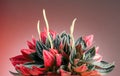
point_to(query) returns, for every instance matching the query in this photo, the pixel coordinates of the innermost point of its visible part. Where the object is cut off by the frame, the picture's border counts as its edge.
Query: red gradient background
(18, 19)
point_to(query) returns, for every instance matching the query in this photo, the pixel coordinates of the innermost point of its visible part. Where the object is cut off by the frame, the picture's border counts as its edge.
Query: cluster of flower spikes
(62, 58)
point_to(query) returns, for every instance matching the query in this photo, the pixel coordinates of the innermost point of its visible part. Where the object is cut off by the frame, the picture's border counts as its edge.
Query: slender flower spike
(44, 36)
(72, 30)
(60, 55)
(47, 26)
(38, 28)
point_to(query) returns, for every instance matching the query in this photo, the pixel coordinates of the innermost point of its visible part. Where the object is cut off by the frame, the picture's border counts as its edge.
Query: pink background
(18, 19)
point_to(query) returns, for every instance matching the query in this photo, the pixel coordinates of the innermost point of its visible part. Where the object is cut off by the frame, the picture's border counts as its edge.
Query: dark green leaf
(65, 61)
(67, 49)
(81, 42)
(79, 51)
(64, 67)
(36, 58)
(90, 54)
(39, 49)
(91, 67)
(47, 42)
(80, 62)
(30, 64)
(63, 34)
(103, 64)
(105, 70)
(65, 39)
(57, 42)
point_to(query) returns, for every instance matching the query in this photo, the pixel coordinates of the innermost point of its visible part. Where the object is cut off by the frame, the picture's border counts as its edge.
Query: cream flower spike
(38, 29)
(72, 30)
(47, 26)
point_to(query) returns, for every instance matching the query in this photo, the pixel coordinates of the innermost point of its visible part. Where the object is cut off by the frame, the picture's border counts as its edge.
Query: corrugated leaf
(105, 70)
(36, 64)
(81, 42)
(90, 54)
(57, 42)
(39, 49)
(103, 64)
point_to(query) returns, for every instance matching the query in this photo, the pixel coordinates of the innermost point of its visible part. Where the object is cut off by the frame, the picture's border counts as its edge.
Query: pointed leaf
(27, 52)
(105, 70)
(57, 42)
(31, 64)
(103, 64)
(23, 70)
(48, 58)
(58, 59)
(90, 54)
(36, 58)
(20, 59)
(91, 67)
(88, 40)
(35, 71)
(47, 42)
(81, 42)
(53, 51)
(30, 45)
(39, 49)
